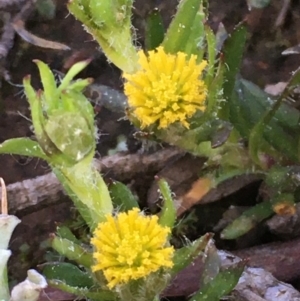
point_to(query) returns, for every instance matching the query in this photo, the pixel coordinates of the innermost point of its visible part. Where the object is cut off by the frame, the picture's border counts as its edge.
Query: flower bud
(63, 118)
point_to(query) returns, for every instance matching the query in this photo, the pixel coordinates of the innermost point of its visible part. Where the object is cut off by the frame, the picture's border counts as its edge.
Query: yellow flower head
(130, 246)
(167, 88)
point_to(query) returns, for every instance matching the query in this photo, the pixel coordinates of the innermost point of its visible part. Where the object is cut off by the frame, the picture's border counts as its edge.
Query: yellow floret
(167, 88)
(130, 246)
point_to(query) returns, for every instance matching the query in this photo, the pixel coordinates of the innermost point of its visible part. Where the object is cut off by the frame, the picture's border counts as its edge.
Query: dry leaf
(18, 26)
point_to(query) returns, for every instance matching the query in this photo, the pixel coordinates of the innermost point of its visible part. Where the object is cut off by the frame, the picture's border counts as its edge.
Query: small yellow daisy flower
(168, 88)
(130, 246)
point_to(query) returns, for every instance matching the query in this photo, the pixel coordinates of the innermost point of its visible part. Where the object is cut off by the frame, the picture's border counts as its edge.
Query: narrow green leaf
(65, 233)
(122, 197)
(74, 70)
(67, 273)
(221, 285)
(35, 106)
(49, 85)
(181, 26)
(72, 251)
(211, 55)
(257, 132)
(232, 57)
(212, 264)
(247, 221)
(168, 213)
(214, 85)
(80, 84)
(23, 147)
(196, 43)
(249, 104)
(101, 295)
(154, 30)
(187, 254)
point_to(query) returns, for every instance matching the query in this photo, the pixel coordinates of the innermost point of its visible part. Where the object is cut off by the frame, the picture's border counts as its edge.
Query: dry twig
(31, 195)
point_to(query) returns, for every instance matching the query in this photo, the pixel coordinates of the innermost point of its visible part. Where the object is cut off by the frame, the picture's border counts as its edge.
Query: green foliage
(236, 110)
(154, 30)
(109, 22)
(219, 286)
(187, 254)
(232, 57)
(185, 27)
(168, 213)
(92, 294)
(23, 147)
(68, 273)
(248, 220)
(122, 197)
(267, 123)
(63, 121)
(73, 251)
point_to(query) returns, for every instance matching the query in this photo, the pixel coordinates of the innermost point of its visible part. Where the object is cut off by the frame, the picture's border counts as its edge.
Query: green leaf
(253, 109)
(196, 43)
(122, 197)
(212, 264)
(181, 26)
(215, 94)
(211, 55)
(221, 285)
(23, 147)
(154, 30)
(80, 84)
(187, 254)
(100, 295)
(34, 100)
(74, 70)
(284, 118)
(67, 273)
(247, 221)
(232, 57)
(66, 233)
(168, 214)
(72, 251)
(49, 85)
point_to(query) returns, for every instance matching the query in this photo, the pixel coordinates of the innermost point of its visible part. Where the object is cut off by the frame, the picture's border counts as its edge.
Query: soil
(263, 64)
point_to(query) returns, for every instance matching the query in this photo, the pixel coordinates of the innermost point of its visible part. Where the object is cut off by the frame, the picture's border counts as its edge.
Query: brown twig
(18, 24)
(283, 12)
(30, 195)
